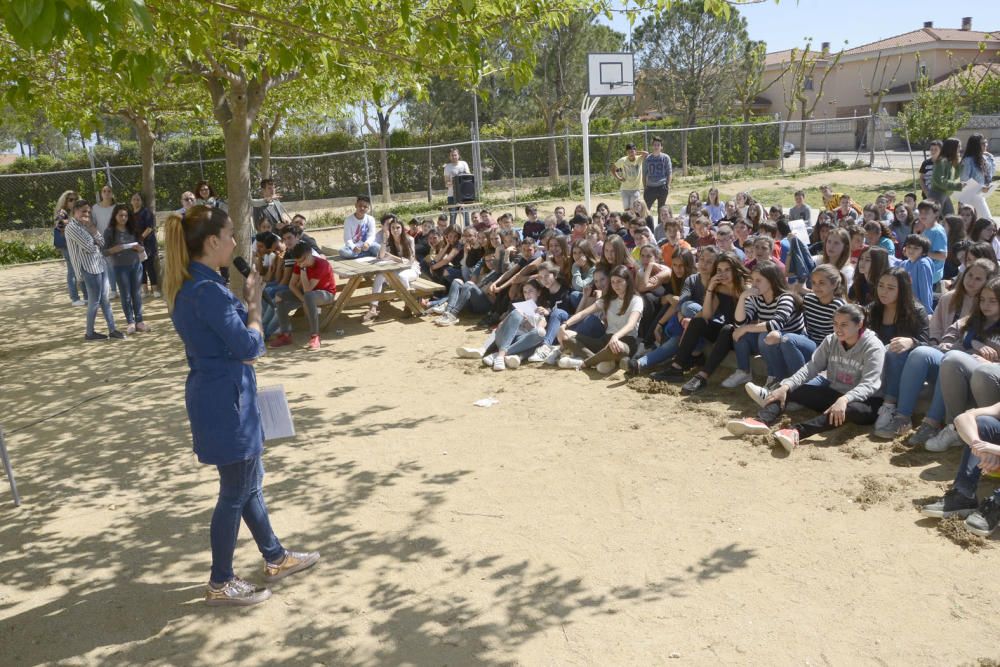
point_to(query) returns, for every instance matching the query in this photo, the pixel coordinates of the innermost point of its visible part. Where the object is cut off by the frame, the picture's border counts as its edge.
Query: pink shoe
(747, 427)
(141, 326)
(281, 340)
(787, 438)
(314, 342)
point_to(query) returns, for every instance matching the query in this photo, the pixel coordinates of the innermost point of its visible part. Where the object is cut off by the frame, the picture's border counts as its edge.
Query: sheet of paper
(365, 260)
(973, 189)
(526, 308)
(275, 415)
(129, 246)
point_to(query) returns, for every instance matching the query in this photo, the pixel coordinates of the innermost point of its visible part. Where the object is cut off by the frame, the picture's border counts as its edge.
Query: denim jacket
(221, 390)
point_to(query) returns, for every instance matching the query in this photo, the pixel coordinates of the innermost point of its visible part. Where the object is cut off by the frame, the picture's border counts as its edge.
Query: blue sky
(786, 24)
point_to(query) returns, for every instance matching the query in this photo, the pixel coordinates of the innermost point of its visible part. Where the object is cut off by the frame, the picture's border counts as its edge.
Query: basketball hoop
(608, 75)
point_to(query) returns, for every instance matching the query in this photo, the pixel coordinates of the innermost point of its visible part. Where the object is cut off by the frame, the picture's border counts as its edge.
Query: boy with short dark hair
(921, 271)
(359, 231)
(533, 227)
(313, 284)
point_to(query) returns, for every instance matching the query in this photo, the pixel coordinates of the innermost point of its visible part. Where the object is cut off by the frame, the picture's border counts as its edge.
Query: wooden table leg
(343, 296)
(406, 295)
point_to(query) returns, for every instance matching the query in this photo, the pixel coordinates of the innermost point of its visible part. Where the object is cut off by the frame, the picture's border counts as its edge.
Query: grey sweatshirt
(856, 373)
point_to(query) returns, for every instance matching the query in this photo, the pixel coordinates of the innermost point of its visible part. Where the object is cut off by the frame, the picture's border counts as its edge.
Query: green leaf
(468, 6)
(141, 14)
(28, 11)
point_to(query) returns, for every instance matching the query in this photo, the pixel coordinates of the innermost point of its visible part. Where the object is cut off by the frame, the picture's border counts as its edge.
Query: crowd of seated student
(852, 313)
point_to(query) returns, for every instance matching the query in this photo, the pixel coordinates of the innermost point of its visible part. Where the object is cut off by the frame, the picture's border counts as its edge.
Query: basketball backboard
(610, 74)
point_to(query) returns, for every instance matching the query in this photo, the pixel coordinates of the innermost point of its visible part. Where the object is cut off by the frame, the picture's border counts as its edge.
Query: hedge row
(19, 252)
(27, 201)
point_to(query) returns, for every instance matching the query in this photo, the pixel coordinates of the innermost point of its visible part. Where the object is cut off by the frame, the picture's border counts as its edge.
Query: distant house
(937, 53)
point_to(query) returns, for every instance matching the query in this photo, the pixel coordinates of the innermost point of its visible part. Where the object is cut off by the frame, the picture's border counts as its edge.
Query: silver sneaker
(947, 437)
(737, 378)
(235, 593)
(540, 354)
(885, 416)
(554, 356)
(438, 309)
(899, 425)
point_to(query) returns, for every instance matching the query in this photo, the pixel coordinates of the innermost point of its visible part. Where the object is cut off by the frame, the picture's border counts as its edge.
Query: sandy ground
(577, 522)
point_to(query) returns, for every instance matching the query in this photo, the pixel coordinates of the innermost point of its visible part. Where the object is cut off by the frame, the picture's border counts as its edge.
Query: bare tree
(802, 81)
(749, 85)
(377, 121)
(876, 89)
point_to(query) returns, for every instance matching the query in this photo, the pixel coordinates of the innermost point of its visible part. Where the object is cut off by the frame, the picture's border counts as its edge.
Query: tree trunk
(553, 149)
(146, 142)
(802, 141)
(746, 140)
(383, 161)
(98, 133)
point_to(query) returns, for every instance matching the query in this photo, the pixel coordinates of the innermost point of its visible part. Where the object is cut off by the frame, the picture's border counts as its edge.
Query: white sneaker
(488, 360)
(885, 415)
(498, 363)
(446, 320)
(737, 378)
(438, 309)
(512, 360)
(606, 367)
(540, 354)
(570, 363)
(78, 302)
(756, 393)
(156, 293)
(554, 356)
(130, 329)
(946, 437)
(468, 353)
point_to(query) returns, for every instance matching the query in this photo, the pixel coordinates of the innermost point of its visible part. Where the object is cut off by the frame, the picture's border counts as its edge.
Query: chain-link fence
(509, 169)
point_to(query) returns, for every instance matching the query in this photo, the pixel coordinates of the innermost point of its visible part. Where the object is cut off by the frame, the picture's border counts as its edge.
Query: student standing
(627, 170)
(145, 224)
(63, 214)
(222, 340)
(122, 245)
(101, 215)
(455, 167)
(657, 175)
(85, 246)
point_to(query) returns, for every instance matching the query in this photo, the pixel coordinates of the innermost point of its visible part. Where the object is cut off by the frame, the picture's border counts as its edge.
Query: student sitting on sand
(852, 358)
(979, 431)
(620, 308)
(517, 333)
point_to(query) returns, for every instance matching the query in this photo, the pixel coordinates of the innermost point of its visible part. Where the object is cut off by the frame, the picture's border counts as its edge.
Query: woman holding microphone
(222, 340)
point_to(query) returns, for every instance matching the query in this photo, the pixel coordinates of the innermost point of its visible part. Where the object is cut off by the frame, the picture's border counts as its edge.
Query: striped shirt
(85, 248)
(779, 315)
(819, 318)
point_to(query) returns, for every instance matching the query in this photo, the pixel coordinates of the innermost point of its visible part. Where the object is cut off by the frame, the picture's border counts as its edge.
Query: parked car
(788, 148)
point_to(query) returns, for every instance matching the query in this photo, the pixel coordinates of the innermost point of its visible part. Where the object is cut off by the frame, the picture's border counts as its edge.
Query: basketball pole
(586, 109)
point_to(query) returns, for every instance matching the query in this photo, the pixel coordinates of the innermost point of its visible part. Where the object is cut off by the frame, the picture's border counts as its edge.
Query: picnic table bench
(359, 275)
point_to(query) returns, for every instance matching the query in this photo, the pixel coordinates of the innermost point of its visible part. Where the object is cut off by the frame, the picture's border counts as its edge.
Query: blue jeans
(748, 345)
(241, 495)
(467, 293)
(969, 472)
(921, 365)
(269, 319)
(74, 293)
(129, 280)
(892, 372)
(97, 296)
(794, 351)
(509, 331)
(668, 348)
(352, 254)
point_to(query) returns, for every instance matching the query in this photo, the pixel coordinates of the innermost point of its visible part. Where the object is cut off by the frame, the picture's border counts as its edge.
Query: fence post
(569, 164)
(302, 181)
(513, 171)
(201, 164)
(368, 180)
(93, 168)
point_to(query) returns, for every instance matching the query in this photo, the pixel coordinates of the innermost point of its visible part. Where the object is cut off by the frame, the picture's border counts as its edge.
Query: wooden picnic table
(358, 272)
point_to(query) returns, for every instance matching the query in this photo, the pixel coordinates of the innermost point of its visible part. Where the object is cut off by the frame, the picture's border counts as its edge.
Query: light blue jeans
(789, 355)
(921, 365)
(129, 281)
(668, 348)
(97, 297)
(353, 254)
(74, 293)
(892, 373)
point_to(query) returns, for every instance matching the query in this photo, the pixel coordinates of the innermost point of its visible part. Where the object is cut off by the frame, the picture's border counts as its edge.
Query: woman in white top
(399, 247)
(100, 213)
(621, 309)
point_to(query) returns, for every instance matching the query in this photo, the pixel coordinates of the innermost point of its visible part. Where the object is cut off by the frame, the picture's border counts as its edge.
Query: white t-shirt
(101, 216)
(616, 321)
(453, 170)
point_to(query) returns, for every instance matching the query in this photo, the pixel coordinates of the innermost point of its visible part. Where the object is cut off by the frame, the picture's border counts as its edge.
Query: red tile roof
(914, 37)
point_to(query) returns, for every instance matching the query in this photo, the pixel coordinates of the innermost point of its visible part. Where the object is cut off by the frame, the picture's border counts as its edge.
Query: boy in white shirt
(359, 231)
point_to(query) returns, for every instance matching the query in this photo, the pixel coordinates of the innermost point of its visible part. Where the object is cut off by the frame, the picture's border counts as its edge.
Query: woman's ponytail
(177, 259)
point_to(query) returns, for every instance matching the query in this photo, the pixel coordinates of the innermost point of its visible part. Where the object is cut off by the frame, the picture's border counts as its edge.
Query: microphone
(244, 268)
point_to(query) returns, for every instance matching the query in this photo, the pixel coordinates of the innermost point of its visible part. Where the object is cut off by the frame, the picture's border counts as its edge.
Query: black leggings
(819, 398)
(149, 275)
(699, 328)
(578, 345)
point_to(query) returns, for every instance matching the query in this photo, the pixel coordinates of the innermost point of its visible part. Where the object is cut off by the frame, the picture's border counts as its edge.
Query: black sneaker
(632, 369)
(694, 385)
(669, 374)
(985, 520)
(95, 336)
(117, 334)
(952, 504)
